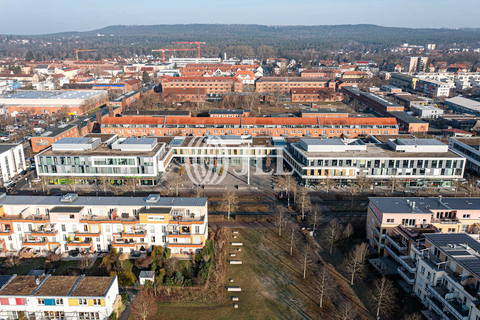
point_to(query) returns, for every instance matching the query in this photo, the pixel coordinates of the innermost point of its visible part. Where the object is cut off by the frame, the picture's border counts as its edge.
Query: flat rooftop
(398, 205)
(156, 113)
(82, 201)
(464, 102)
(377, 151)
(103, 151)
(323, 111)
(384, 138)
(103, 136)
(54, 94)
(21, 286)
(92, 287)
(405, 117)
(57, 286)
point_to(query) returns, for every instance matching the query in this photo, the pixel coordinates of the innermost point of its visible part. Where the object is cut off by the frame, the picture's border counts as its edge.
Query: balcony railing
(395, 241)
(451, 304)
(137, 233)
(437, 307)
(408, 276)
(376, 241)
(406, 261)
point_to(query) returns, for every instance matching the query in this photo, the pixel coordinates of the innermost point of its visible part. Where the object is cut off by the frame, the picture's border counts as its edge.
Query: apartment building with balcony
(448, 275)
(447, 215)
(12, 161)
(87, 224)
(102, 158)
(412, 162)
(58, 297)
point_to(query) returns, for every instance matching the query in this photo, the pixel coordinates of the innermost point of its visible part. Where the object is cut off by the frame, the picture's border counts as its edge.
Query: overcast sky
(39, 17)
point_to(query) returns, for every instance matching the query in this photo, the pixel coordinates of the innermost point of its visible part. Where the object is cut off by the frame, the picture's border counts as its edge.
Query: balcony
(456, 280)
(87, 234)
(80, 243)
(6, 233)
(34, 243)
(445, 221)
(378, 245)
(378, 233)
(44, 233)
(406, 261)
(134, 234)
(408, 276)
(437, 306)
(449, 300)
(396, 241)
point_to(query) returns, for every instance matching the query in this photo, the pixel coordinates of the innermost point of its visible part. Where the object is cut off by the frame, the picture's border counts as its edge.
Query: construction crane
(82, 50)
(198, 43)
(165, 50)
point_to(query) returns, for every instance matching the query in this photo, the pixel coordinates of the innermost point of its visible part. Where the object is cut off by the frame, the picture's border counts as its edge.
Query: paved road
(236, 224)
(126, 313)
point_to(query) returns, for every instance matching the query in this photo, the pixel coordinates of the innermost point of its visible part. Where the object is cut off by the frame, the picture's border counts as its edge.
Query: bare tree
(392, 183)
(381, 296)
(229, 203)
(346, 311)
(413, 316)
(347, 233)
(306, 258)
(72, 183)
(304, 202)
(280, 218)
(292, 236)
(198, 192)
(363, 182)
(329, 183)
(294, 192)
(321, 285)
(471, 184)
(332, 234)
(176, 180)
(286, 182)
(12, 262)
(144, 305)
(315, 217)
(354, 191)
(84, 264)
(133, 184)
(356, 261)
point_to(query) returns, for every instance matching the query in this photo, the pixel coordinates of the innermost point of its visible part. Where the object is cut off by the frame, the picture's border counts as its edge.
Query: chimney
(110, 111)
(99, 117)
(37, 281)
(413, 205)
(440, 198)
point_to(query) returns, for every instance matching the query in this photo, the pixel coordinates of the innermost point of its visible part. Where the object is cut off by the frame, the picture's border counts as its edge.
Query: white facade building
(12, 161)
(88, 224)
(426, 111)
(58, 297)
(182, 62)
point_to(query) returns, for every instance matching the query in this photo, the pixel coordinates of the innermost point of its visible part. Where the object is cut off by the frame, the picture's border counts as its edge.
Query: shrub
(124, 296)
(148, 284)
(161, 275)
(203, 271)
(179, 278)
(154, 266)
(143, 262)
(169, 282)
(113, 251)
(188, 283)
(113, 316)
(125, 278)
(168, 253)
(157, 251)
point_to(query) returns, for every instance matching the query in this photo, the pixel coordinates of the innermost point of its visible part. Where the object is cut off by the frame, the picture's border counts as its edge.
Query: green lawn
(26, 265)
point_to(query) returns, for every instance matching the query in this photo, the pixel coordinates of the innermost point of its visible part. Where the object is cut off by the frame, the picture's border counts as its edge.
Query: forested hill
(270, 35)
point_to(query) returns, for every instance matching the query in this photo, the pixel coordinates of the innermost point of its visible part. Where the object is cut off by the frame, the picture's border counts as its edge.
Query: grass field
(271, 283)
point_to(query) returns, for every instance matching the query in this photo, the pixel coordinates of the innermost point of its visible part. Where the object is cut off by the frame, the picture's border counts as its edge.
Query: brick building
(212, 85)
(285, 84)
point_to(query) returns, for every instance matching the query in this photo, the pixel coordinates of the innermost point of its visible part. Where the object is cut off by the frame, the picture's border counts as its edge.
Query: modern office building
(415, 64)
(58, 297)
(102, 158)
(414, 162)
(468, 148)
(88, 224)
